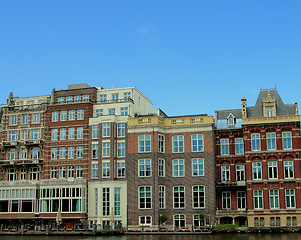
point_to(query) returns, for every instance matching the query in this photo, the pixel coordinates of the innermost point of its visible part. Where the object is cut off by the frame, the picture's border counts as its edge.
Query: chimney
(244, 107)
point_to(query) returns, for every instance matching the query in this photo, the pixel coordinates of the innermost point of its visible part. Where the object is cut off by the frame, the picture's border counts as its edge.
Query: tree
(162, 218)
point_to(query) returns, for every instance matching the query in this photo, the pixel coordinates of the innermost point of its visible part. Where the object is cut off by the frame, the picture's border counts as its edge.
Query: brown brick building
(171, 171)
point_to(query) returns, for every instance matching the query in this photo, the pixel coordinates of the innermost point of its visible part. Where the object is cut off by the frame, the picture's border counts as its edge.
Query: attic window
(231, 121)
(269, 111)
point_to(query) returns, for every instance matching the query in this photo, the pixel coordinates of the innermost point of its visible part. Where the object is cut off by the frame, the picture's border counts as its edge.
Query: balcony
(17, 183)
(231, 185)
(231, 212)
(16, 162)
(105, 101)
(33, 142)
(10, 143)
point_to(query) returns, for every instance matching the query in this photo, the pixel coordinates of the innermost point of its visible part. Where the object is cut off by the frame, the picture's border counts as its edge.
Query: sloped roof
(281, 108)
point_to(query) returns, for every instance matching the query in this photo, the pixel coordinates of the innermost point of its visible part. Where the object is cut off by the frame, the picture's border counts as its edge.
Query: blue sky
(187, 57)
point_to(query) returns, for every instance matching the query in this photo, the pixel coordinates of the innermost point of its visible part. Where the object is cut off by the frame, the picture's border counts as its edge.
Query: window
(70, 171)
(179, 197)
(161, 197)
(106, 201)
(106, 149)
(61, 100)
(25, 119)
(287, 140)
(226, 200)
(178, 144)
(35, 134)
(13, 135)
(288, 169)
(231, 121)
(120, 129)
(198, 221)
(35, 153)
(291, 221)
(197, 143)
(290, 198)
(115, 97)
(112, 111)
(121, 169)
(240, 173)
(63, 115)
(79, 171)
(80, 151)
(24, 135)
(85, 98)
(69, 99)
(145, 220)
(55, 116)
(127, 96)
(161, 167)
(258, 200)
(255, 141)
(95, 132)
(53, 172)
(99, 112)
(117, 201)
(62, 152)
(11, 174)
(53, 153)
(23, 153)
(94, 151)
(62, 172)
(77, 99)
(63, 134)
(198, 167)
(272, 166)
(36, 118)
(13, 120)
(94, 170)
(256, 223)
(241, 200)
(225, 146)
(144, 142)
(161, 143)
(80, 114)
(179, 220)
(71, 115)
(145, 197)
(256, 169)
(121, 149)
(106, 129)
(54, 134)
(103, 98)
(225, 173)
(71, 133)
(144, 168)
(198, 196)
(274, 199)
(271, 141)
(80, 133)
(12, 154)
(239, 146)
(70, 152)
(124, 111)
(178, 168)
(106, 169)
(269, 111)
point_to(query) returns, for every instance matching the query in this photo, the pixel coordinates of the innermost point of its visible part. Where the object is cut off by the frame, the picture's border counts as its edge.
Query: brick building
(171, 171)
(258, 163)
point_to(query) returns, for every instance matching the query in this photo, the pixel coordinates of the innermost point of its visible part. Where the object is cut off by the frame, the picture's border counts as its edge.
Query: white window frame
(145, 167)
(161, 167)
(256, 170)
(178, 168)
(225, 146)
(239, 146)
(271, 141)
(258, 199)
(274, 198)
(161, 143)
(287, 140)
(197, 167)
(144, 143)
(179, 197)
(255, 142)
(147, 197)
(288, 168)
(178, 144)
(198, 194)
(197, 143)
(272, 170)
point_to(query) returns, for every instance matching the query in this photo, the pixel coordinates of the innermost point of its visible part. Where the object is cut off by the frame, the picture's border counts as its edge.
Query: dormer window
(269, 111)
(231, 120)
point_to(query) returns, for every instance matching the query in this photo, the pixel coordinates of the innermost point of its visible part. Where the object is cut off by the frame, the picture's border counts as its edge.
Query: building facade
(170, 171)
(258, 163)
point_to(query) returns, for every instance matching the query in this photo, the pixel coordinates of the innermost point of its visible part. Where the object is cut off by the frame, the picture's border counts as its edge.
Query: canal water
(251, 236)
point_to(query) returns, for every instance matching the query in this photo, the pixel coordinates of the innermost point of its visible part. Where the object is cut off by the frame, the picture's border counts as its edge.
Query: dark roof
(281, 108)
(224, 114)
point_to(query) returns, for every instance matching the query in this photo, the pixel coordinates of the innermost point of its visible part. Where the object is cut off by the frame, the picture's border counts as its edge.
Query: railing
(33, 142)
(19, 183)
(232, 183)
(9, 143)
(116, 101)
(62, 181)
(20, 162)
(225, 212)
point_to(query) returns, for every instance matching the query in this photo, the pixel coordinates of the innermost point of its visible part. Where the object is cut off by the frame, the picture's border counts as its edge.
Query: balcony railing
(226, 212)
(20, 162)
(26, 183)
(33, 142)
(9, 143)
(229, 185)
(104, 101)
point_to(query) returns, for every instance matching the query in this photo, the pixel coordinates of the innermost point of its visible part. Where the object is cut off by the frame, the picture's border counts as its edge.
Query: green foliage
(202, 216)
(226, 226)
(162, 218)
